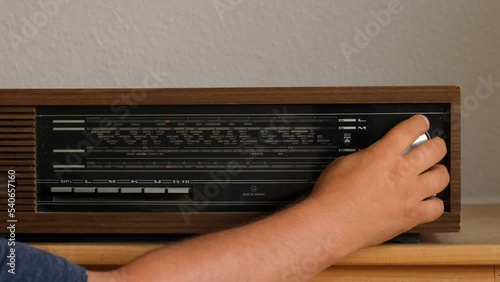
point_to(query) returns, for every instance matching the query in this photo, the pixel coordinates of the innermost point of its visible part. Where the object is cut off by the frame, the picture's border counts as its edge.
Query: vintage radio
(162, 161)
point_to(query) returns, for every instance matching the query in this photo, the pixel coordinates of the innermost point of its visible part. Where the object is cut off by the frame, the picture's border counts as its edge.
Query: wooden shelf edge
(118, 254)
(426, 254)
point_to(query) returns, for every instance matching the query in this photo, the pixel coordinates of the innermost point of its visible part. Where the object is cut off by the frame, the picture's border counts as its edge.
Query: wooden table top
(477, 243)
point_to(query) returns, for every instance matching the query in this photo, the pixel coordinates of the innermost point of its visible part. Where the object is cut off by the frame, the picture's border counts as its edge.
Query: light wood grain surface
(478, 243)
(407, 274)
(497, 273)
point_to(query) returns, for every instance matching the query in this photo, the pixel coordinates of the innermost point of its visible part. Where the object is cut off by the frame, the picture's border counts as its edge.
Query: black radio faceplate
(210, 158)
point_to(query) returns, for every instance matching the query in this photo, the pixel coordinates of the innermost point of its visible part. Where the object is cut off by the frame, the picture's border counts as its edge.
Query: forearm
(292, 245)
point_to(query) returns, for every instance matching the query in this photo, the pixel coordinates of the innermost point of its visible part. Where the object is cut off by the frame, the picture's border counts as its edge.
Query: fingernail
(426, 121)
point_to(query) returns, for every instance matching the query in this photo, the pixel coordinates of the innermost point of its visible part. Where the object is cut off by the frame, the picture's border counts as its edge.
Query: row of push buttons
(123, 190)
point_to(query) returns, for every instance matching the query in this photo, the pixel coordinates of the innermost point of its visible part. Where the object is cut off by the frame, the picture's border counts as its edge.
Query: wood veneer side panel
(17, 150)
(35, 172)
(448, 222)
(455, 150)
(109, 223)
(283, 95)
(157, 223)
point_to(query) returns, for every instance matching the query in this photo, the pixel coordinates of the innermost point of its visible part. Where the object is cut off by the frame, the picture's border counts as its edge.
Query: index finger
(402, 136)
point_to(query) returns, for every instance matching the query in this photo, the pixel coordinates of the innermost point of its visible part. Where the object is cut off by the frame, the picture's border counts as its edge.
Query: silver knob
(420, 140)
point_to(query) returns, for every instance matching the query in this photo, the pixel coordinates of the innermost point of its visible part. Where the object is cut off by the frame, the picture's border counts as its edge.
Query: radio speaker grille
(17, 152)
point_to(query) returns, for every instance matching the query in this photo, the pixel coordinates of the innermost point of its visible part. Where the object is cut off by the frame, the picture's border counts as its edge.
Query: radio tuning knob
(421, 139)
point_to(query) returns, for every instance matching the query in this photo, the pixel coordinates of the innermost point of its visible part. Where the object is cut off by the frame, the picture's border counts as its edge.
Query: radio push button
(179, 190)
(154, 190)
(61, 189)
(107, 190)
(131, 190)
(84, 189)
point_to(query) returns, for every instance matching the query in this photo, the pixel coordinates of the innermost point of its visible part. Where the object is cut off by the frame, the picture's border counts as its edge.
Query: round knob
(421, 139)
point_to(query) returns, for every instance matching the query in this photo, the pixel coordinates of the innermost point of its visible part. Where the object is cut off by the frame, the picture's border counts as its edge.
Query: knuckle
(440, 146)
(403, 170)
(428, 151)
(435, 147)
(432, 211)
(444, 174)
(414, 213)
(411, 131)
(418, 156)
(438, 208)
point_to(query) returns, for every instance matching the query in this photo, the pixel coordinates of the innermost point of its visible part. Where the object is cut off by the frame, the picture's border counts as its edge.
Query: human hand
(378, 193)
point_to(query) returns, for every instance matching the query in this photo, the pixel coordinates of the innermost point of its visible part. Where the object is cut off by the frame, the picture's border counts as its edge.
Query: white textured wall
(267, 43)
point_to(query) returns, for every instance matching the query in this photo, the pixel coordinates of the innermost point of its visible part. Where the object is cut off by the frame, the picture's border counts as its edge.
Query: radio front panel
(198, 160)
(234, 158)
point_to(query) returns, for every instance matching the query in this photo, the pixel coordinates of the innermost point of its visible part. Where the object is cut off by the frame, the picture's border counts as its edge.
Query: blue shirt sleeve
(20, 262)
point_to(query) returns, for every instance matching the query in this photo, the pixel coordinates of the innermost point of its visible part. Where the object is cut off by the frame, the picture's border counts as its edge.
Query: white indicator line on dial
(69, 128)
(68, 151)
(68, 166)
(68, 121)
(347, 127)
